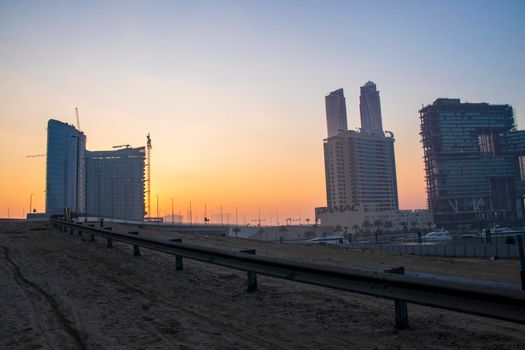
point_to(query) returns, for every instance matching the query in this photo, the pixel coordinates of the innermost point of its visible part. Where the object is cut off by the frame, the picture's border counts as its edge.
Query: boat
(497, 230)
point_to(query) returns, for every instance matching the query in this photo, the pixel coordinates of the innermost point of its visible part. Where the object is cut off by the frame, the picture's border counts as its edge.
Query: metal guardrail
(498, 303)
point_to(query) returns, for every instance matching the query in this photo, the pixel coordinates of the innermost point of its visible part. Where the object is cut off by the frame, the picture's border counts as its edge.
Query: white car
(329, 240)
(441, 235)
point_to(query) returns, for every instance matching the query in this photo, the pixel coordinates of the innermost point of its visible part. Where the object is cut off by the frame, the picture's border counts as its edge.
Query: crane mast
(148, 176)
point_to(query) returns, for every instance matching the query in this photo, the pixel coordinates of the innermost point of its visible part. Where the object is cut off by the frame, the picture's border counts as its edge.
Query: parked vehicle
(438, 235)
(470, 235)
(329, 240)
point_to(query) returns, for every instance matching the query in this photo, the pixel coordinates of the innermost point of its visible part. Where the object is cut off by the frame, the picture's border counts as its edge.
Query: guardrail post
(519, 239)
(401, 310)
(110, 243)
(136, 248)
(252, 276)
(178, 259)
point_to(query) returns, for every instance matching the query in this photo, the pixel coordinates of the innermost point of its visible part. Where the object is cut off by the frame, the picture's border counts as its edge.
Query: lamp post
(191, 218)
(30, 202)
(98, 172)
(172, 216)
(157, 206)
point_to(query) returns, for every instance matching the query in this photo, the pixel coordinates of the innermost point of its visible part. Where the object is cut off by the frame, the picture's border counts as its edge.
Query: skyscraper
(65, 168)
(370, 108)
(115, 183)
(473, 162)
(335, 112)
(360, 166)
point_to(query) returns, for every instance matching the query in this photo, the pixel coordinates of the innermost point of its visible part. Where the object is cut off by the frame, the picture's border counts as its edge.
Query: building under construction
(115, 183)
(474, 162)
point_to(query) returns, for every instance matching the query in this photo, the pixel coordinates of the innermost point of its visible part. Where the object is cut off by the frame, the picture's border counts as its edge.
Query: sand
(60, 291)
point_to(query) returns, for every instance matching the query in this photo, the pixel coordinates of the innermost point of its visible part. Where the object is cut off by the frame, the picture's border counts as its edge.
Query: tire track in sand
(62, 320)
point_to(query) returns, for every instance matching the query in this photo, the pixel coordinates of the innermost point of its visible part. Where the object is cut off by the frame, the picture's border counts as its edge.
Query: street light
(191, 218)
(157, 206)
(30, 202)
(172, 216)
(98, 172)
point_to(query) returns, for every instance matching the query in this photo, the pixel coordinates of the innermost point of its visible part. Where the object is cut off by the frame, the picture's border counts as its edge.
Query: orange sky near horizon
(243, 167)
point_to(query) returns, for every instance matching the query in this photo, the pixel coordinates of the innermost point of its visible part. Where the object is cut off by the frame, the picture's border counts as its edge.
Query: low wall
(474, 250)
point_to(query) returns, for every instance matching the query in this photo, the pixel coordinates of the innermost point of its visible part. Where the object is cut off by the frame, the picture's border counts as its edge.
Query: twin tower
(360, 165)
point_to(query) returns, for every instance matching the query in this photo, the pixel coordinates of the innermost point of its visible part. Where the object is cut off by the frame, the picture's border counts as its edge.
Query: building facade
(474, 162)
(335, 112)
(115, 183)
(65, 169)
(360, 166)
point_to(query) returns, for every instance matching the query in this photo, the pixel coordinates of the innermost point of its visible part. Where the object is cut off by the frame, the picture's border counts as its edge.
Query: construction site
(113, 184)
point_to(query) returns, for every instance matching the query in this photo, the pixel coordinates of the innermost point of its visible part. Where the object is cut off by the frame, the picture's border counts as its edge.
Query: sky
(232, 92)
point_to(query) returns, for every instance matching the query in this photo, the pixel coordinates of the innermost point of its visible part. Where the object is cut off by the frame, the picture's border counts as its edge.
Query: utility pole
(222, 221)
(236, 217)
(172, 216)
(206, 215)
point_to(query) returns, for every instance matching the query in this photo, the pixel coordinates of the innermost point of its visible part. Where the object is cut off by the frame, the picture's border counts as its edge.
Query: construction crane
(35, 155)
(148, 175)
(78, 118)
(122, 146)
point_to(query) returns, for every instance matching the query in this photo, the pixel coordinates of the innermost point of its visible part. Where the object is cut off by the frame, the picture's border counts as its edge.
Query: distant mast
(148, 176)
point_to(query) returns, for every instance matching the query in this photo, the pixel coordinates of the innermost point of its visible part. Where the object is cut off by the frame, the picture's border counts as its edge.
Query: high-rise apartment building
(474, 162)
(115, 183)
(65, 168)
(360, 166)
(335, 112)
(370, 108)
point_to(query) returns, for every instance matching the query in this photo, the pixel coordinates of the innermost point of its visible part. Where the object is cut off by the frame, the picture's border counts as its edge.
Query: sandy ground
(60, 291)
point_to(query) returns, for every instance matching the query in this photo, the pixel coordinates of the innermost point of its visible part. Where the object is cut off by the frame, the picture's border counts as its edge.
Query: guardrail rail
(497, 303)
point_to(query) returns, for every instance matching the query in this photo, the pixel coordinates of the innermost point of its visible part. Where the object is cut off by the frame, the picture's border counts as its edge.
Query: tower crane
(148, 175)
(35, 155)
(122, 146)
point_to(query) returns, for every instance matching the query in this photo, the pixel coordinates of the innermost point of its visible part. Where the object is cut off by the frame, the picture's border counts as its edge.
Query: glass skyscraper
(115, 182)
(65, 168)
(360, 166)
(335, 112)
(370, 108)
